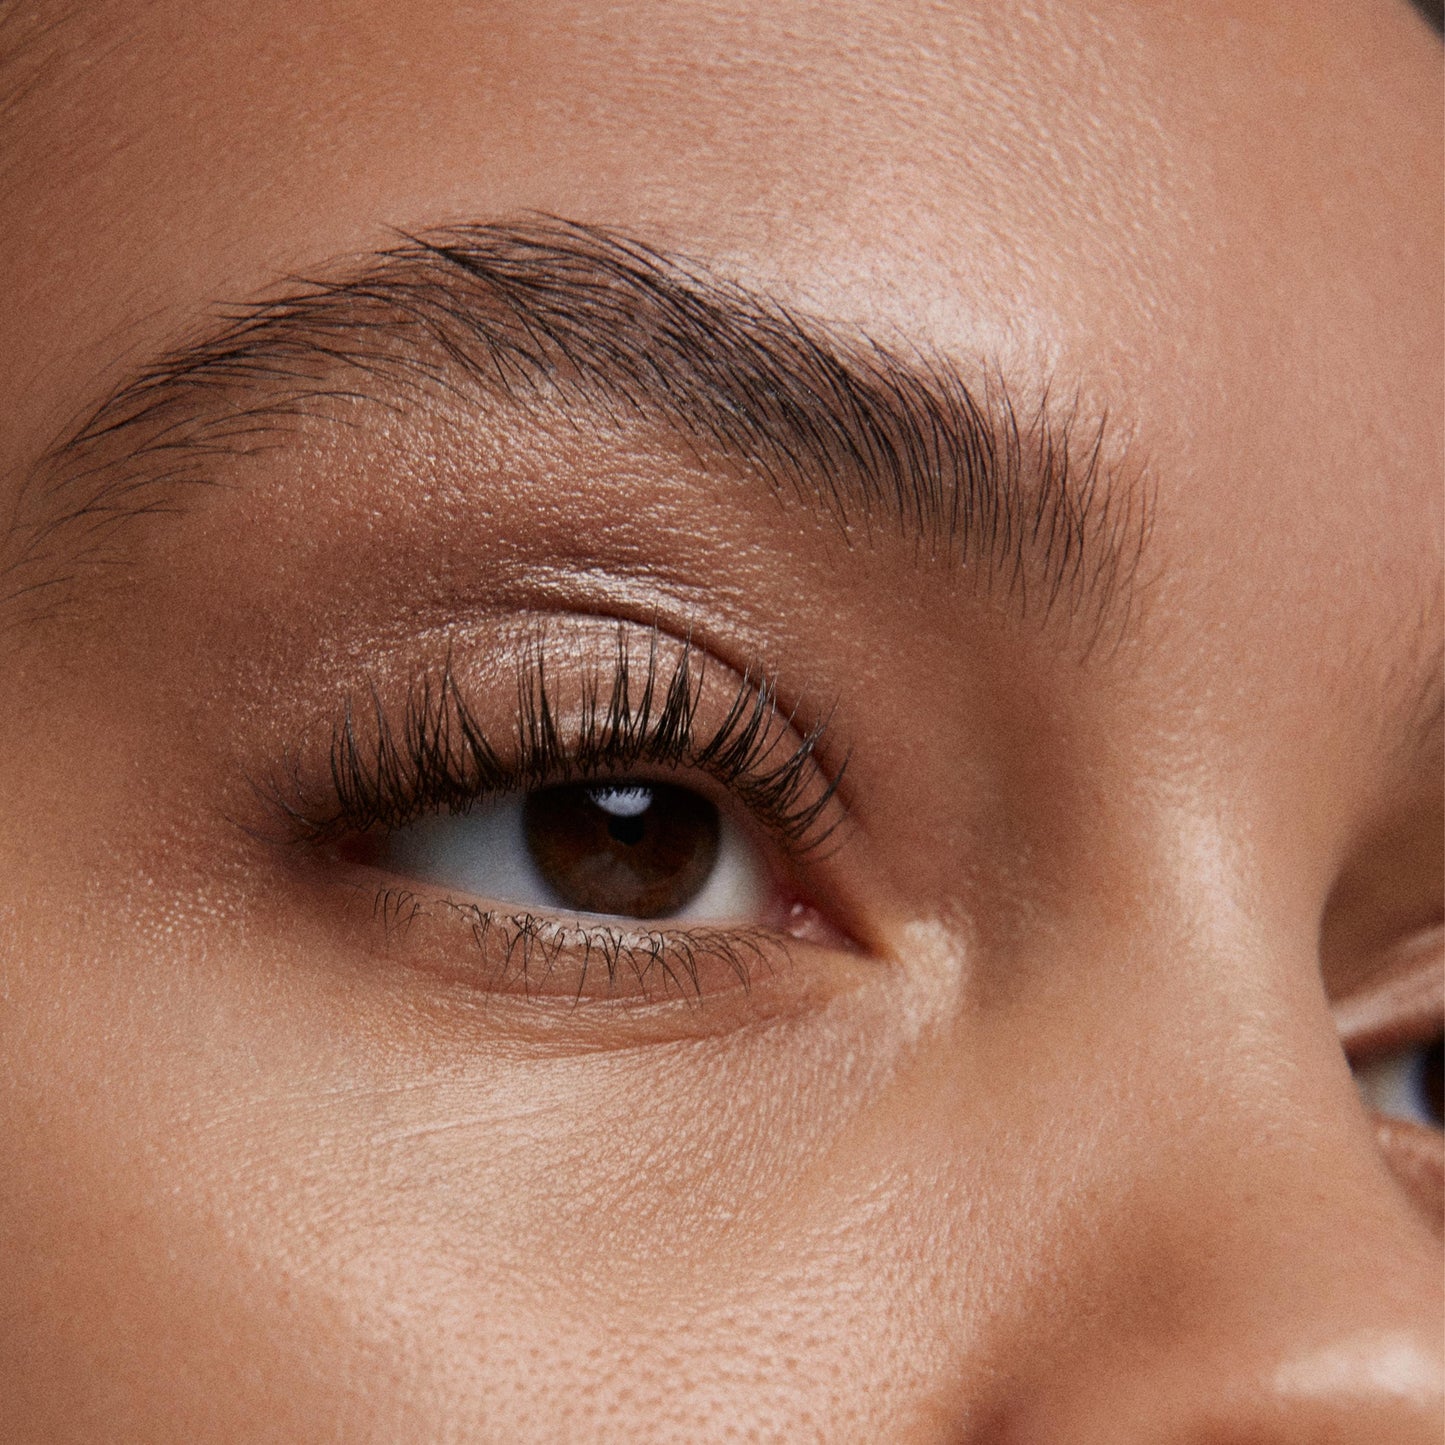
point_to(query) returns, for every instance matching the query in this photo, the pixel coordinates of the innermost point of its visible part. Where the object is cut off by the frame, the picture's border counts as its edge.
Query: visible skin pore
(1047, 1133)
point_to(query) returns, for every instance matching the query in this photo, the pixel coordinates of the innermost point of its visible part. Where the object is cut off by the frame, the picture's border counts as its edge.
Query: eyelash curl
(383, 772)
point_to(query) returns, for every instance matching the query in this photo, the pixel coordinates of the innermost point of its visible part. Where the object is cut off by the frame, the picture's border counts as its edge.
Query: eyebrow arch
(557, 315)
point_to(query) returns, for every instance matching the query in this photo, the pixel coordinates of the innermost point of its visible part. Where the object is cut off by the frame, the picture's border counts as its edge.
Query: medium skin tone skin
(1040, 1128)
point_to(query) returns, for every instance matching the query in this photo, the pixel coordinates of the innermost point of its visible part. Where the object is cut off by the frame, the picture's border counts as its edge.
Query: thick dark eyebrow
(557, 316)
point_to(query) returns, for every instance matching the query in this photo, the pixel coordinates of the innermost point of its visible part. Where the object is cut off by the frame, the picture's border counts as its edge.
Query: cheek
(235, 1157)
(232, 1146)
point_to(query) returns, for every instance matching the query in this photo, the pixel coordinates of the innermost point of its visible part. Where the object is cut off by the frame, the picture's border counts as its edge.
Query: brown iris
(639, 849)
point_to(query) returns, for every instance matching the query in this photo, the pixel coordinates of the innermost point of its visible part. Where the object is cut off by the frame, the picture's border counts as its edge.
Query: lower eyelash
(539, 956)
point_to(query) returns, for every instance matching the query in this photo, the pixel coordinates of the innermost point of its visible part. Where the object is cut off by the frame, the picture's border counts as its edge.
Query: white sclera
(485, 853)
(1395, 1086)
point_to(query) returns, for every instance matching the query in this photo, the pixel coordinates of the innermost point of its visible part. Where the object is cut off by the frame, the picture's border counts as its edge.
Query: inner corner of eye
(629, 848)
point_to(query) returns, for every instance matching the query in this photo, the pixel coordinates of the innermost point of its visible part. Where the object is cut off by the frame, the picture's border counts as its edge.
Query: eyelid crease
(379, 774)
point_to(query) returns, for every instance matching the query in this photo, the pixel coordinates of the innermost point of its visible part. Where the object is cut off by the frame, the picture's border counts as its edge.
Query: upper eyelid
(384, 770)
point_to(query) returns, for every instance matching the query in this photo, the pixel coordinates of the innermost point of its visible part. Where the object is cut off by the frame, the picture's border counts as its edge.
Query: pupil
(636, 850)
(627, 830)
(626, 810)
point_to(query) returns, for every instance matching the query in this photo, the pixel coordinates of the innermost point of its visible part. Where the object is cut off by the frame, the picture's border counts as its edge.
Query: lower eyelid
(573, 959)
(416, 957)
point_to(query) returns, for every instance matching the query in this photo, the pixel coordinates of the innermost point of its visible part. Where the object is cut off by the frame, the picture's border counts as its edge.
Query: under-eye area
(631, 821)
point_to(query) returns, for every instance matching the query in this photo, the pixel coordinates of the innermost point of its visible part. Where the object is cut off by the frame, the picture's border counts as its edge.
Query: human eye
(633, 847)
(1384, 946)
(1407, 1084)
(639, 827)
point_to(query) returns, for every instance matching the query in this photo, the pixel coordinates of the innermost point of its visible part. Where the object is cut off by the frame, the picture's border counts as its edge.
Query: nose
(1267, 1283)
(1371, 1387)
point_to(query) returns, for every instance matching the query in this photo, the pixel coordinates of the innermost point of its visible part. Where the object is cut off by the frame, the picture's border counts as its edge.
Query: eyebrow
(564, 318)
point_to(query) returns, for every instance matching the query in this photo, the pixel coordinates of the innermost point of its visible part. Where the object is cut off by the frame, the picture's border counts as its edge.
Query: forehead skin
(1220, 222)
(1104, 195)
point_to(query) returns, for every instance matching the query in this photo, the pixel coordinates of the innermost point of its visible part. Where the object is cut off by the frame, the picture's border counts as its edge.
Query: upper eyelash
(440, 759)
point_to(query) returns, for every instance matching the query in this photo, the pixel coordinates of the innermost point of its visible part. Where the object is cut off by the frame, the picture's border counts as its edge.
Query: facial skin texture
(1048, 1133)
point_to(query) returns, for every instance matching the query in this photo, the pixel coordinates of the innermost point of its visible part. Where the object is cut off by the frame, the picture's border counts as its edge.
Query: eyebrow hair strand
(557, 316)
